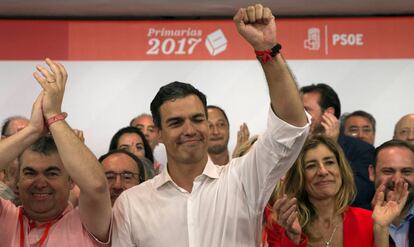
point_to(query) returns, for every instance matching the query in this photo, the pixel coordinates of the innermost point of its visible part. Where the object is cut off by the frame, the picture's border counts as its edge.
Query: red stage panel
(339, 38)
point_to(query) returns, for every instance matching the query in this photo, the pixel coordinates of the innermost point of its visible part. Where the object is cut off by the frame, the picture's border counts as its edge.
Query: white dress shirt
(225, 206)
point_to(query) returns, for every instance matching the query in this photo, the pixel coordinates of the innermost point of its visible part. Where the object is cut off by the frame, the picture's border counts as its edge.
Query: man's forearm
(381, 235)
(283, 91)
(13, 146)
(85, 170)
(256, 24)
(79, 161)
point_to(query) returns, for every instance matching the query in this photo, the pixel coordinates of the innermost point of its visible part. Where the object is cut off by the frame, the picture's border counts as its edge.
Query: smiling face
(322, 174)
(393, 164)
(116, 164)
(146, 125)
(44, 185)
(184, 130)
(361, 128)
(133, 143)
(404, 130)
(219, 131)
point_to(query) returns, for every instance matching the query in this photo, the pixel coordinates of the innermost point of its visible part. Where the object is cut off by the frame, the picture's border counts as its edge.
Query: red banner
(339, 38)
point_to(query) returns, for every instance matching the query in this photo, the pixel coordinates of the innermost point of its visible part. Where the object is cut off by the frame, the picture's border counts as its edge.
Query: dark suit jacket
(360, 155)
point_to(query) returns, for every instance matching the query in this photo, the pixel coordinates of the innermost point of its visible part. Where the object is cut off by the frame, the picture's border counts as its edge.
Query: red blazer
(358, 230)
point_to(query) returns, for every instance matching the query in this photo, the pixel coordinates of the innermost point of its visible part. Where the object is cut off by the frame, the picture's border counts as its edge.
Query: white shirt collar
(210, 170)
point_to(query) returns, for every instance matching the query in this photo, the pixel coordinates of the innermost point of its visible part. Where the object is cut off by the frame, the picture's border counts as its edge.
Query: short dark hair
(363, 114)
(45, 145)
(170, 91)
(138, 162)
(391, 144)
(219, 109)
(328, 97)
(6, 124)
(115, 139)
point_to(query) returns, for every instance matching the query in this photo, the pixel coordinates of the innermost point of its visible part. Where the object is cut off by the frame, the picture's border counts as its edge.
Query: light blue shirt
(400, 234)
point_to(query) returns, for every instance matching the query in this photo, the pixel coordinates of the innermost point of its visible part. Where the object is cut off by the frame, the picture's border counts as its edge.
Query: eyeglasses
(356, 130)
(126, 177)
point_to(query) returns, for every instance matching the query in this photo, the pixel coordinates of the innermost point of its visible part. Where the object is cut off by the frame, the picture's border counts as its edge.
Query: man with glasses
(123, 170)
(361, 125)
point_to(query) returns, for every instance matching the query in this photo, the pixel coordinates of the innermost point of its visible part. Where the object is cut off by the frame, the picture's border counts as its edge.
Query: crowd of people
(313, 178)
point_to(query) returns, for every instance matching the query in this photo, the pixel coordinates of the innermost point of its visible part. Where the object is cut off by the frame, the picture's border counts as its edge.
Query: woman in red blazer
(313, 209)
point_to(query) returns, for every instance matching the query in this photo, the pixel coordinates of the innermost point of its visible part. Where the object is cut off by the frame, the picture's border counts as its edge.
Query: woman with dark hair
(134, 141)
(313, 203)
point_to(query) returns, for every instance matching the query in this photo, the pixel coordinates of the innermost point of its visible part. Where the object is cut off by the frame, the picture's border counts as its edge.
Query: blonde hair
(245, 147)
(294, 183)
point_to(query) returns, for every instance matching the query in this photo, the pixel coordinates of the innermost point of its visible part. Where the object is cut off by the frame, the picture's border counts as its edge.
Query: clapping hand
(243, 136)
(53, 82)
(385, 211)
(287, 216)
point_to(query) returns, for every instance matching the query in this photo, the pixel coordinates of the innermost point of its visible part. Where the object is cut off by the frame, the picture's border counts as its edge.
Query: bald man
(404, 129)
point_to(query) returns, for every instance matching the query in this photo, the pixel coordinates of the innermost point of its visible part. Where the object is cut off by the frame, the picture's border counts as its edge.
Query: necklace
(328, 243)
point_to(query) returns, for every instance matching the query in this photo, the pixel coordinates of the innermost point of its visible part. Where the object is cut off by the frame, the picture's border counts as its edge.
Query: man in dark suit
(323, 104)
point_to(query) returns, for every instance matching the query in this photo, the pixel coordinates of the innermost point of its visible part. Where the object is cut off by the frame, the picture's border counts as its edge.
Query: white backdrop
(102, 97)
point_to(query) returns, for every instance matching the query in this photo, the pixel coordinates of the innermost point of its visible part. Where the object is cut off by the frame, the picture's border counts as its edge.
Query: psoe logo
(313, 42)
(216, 42)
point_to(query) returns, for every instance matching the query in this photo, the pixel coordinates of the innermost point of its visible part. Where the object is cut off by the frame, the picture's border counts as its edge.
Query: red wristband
(56, 118)
(267, 55)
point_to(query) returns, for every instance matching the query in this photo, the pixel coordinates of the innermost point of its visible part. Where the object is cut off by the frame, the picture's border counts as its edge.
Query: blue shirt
(400, 234)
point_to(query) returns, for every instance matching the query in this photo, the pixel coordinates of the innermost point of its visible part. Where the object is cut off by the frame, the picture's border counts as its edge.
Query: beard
(410, 197)
(390, 187)
(318, 130)
(217, 149)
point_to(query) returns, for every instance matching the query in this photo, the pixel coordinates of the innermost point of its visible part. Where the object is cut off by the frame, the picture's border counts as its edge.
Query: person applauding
(313, 206)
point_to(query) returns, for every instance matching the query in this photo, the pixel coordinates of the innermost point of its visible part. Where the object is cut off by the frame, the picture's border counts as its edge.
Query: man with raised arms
(48, 168)
(194, 202)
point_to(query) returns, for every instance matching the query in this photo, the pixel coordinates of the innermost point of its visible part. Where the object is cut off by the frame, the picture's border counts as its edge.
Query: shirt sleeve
(7, 209)
(272, 155)
(9, 218)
